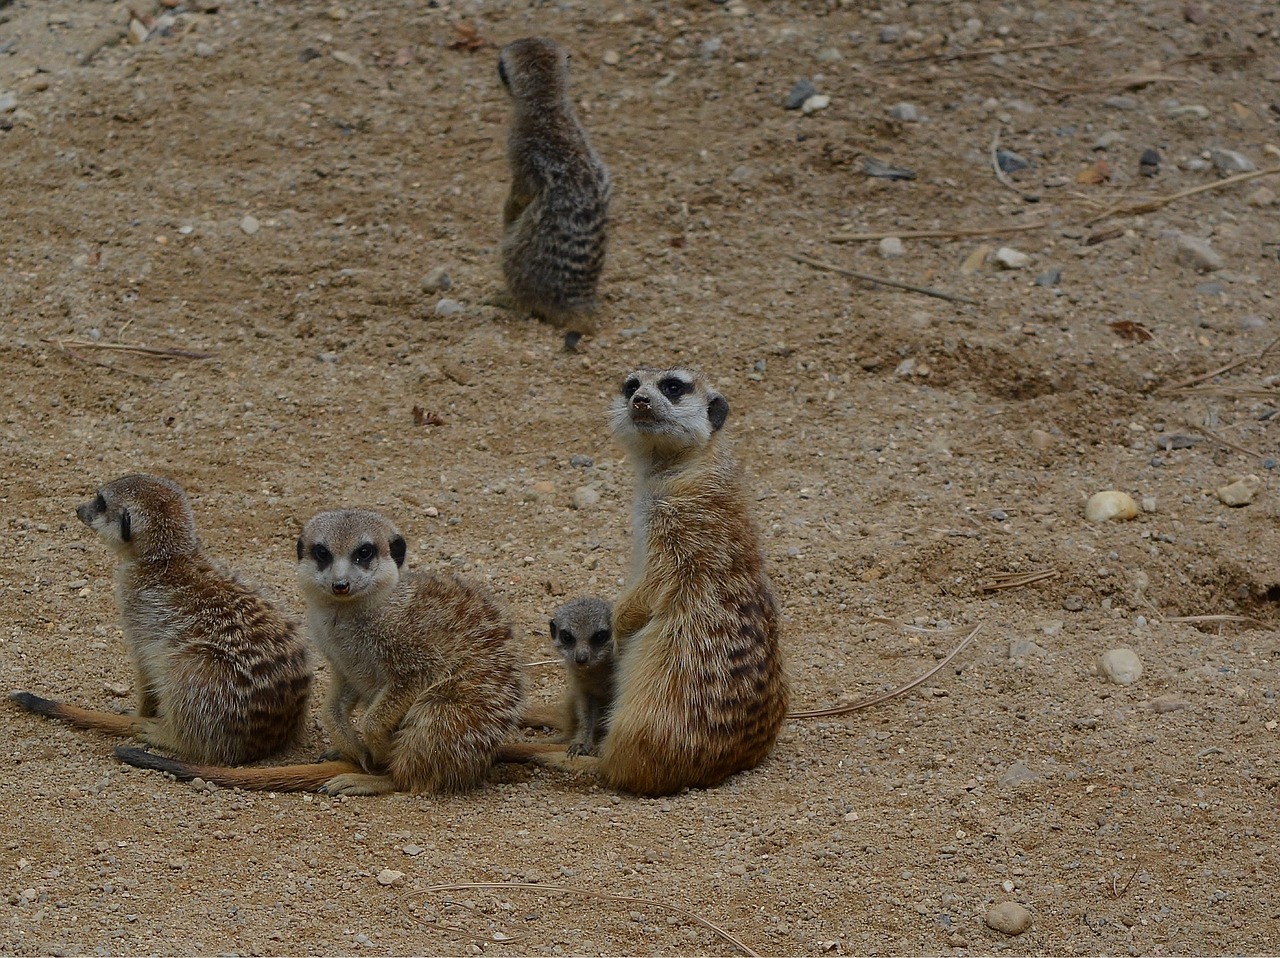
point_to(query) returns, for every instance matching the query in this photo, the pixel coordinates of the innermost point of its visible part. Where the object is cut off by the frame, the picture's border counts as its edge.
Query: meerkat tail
(543, 716)
(74, 715)
(281, 778)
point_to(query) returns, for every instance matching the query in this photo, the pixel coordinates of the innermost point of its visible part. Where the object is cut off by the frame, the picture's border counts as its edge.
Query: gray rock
(579, 461)
(1009, 258)
(249, 224)
(1149, 162)
(584, 497)
(1121, 666)
(890, 34)
(1011, 162)
(1049, 278)
(437, 280)
(1120, 103)
(906, 112)
(327, 357)
(1073, 603)
(1107, 140)
(1009, 917)
(8, 102)
(891, 248)
(1229, 161)
(1198, 254)
(802, 90)
(449, 307)
(1015, 775)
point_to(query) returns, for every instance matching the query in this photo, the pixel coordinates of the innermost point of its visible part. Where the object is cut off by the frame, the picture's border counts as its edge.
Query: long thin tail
(74, 715)
(280, 778)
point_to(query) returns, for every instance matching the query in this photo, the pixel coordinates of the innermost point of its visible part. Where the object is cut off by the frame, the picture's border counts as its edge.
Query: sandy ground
(269, 183)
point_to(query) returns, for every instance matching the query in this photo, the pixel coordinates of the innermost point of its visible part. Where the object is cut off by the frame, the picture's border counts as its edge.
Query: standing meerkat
(556, 215)
(701, 688)
(426, 657)
(582, 631)
(221, 675)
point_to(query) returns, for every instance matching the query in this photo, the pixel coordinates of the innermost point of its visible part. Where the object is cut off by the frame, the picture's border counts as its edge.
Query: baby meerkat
(426, 657)
(700, 686)
(222, 676)
(556, 215)
(582, 631)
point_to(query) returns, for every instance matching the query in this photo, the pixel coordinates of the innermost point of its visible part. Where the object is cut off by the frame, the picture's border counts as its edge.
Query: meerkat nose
(580, 656)
(341, 588)
(640, 401)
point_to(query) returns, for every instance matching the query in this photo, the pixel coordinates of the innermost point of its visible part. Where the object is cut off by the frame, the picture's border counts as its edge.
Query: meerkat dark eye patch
(567, 638)
(629, 387)
(673, 387)
(321, 556)
(100, 504)
(365, 553)
(126, 526)
(600, 637)
(717, 411)
(398, 548)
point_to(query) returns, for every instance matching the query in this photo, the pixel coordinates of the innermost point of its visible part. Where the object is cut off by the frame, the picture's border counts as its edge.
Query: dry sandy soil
(907, 452)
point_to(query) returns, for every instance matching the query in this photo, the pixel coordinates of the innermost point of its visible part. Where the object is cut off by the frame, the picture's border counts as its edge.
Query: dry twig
(1184, 383)
(163, 352)
(1210, 619)
(1224, 442)
(925, 290)
(591, 892)
(1159, 202)
(1015, 580)
(975, 54)
(892, 693)
(937, 234)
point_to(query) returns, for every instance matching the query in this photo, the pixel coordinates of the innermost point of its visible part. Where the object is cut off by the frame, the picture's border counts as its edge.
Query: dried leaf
(1133, 331)
(1099, 172)
(469, 38)
(423, 418)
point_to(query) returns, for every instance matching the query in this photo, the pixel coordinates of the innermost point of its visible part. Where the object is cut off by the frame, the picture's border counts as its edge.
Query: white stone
(449, 307)
(584, 497)
(1009, 917)
(819, 101)
(1121, 666)
(1009, 258)
(249, 224)
(1240, 491)
(1197, 253)
(891, 248)
(389, 876)
(1110, 504)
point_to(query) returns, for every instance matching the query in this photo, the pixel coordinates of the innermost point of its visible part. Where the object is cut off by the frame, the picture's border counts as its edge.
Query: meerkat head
(534, 68)
(349, 556)
(583, 632)
(142, 517)
(667, 410)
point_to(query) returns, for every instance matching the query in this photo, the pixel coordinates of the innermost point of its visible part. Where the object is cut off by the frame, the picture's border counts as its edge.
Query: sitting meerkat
(582, 631)
(221, 675)
(555, 219)
(426, 657)
(701, 690)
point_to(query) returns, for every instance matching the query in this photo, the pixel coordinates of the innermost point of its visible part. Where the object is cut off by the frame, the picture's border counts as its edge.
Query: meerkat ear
(301, 549)
(553, 630)
(126, 526)
(502, 74)
(717, 411)
(397, 546)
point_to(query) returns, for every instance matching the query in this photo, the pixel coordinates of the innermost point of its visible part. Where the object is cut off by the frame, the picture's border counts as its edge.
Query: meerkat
(221, 675)
(428, 659)
(582, 631)
(555, 220)
(701, 690)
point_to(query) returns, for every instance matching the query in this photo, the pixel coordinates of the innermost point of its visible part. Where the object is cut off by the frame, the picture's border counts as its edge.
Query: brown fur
(555, 219)
(426, 658)
(221, 675)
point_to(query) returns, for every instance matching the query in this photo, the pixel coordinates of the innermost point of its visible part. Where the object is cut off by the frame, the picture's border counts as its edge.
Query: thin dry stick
(1198, 619)
(926, 290)
(1015, 580)
(1183, 384)
(936, 234)
(727, 936)
(530, 665)
(167, 353)
(892, 693)
(1224, 442)
(975, 54)
(1158, 202)
(1001, 175)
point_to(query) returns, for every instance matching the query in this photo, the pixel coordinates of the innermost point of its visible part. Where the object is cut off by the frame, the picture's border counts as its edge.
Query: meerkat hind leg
(353, 783)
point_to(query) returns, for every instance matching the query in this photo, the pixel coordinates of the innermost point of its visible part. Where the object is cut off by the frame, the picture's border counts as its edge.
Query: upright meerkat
(555, 219)
(222, 676)
(582, 631)
(700, 686)
(427, 657)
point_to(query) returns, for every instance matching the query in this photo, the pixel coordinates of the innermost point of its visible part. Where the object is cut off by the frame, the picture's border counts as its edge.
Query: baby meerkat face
(141, 516)
(582, 631)
(349, 556)
(668, 407)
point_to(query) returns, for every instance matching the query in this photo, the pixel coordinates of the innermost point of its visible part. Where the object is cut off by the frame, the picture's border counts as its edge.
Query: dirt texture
(270, 184)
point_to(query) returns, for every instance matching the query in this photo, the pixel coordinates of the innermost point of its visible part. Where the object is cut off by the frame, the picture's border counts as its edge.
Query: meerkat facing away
(221, 675)
(582, 631)
(427, 657)
(700, 686)
(555, 219)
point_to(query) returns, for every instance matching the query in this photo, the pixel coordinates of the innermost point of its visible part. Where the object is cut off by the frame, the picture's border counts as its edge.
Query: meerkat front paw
(354, 783)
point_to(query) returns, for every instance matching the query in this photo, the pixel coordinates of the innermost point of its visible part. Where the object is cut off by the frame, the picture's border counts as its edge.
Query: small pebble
(449, 307)
(327, 357)
(1229, 161)
(906, 112)
(1111, 504)
(1016, 774)
(205, 49)
(1107, 140)
(1073, 603)
(1240, 492)
(1120, 103)
(1121, 666)
(1009, 258)
(891, 248)
(611, 58)
(412, 851)
(579, 461)
(1148, 503)
(584, 497)
(802, 90)
(1009, 917)
(1050, 277)
(1149, 163)
(1010, 162)
(437, 280)
(1262, 197)
(819, 101)
(389, 876)
(1198, 254)
(890, 34)
(8, 102)
(1193, 110)
(249, 224)
(1042, 440)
